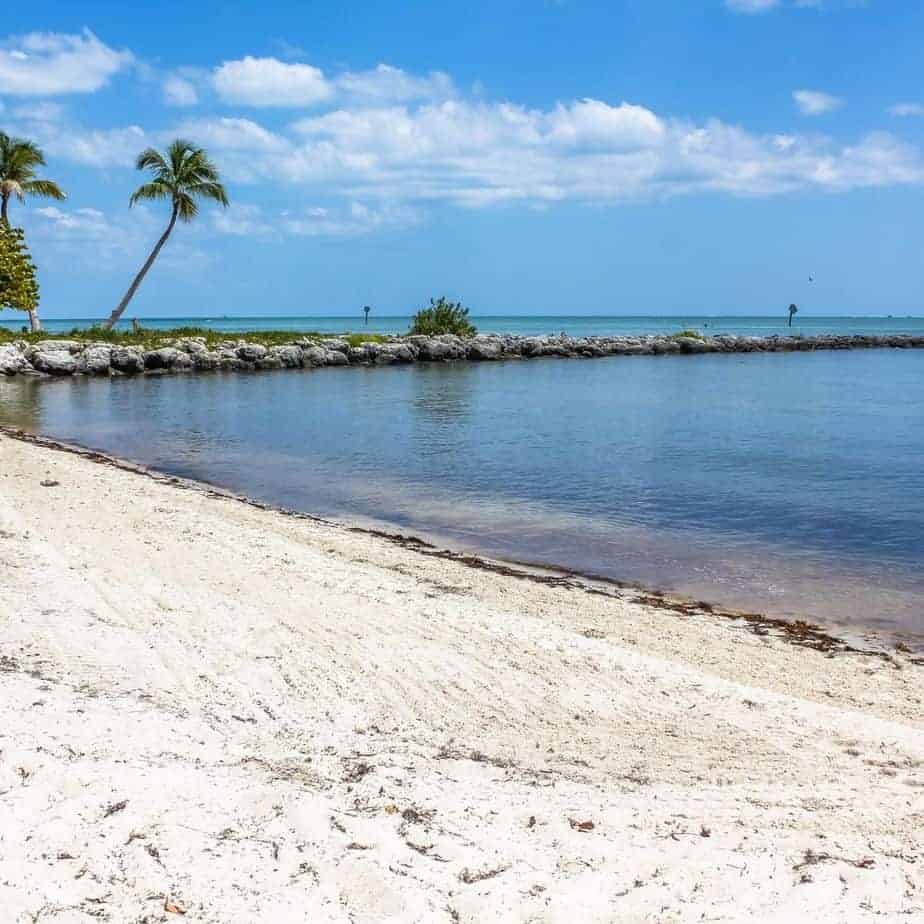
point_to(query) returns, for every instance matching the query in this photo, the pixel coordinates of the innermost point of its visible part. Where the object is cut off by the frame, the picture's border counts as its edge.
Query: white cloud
(68, 232)
(375, 163)
(270, 82)
(353, 219)
(39, 111)
(593, 124)
(904, 110)
(231, 134)
(475, 154)
(79, 219)
(814, 102)
(116, 147)
(241, 221)
(385, 83)
(179, 92)
(118, 241)
(751, 7)
(356, 220)
(50, 64)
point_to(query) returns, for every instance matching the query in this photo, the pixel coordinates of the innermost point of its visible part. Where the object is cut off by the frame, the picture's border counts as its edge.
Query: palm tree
(182, 175)
(18, 160)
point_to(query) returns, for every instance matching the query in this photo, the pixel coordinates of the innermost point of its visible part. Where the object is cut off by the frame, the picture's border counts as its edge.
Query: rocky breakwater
(53, 357)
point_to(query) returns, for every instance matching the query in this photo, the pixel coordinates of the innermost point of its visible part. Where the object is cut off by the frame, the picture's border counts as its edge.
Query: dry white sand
(211, 708)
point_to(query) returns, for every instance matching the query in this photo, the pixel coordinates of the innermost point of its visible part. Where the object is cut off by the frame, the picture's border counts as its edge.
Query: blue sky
(541, 156)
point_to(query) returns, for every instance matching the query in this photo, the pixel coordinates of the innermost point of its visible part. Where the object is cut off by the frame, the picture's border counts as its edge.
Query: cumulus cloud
(270, 82)
(178, 91)
(231, 134)
(477, 153)
(49, 64)
(814, 102)
(117, 147)
(391, 83)
(381, 144)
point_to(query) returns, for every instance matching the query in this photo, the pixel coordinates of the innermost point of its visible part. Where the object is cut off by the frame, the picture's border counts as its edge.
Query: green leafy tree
(443, 317)
(18, 287)
(18, 161)
(182, 175)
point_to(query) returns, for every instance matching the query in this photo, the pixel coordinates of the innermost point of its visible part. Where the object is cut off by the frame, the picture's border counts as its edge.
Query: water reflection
(784, 483)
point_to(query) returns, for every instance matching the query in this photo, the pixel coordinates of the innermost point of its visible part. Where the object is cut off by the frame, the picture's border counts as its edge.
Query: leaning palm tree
(18, 160)
(183, 175)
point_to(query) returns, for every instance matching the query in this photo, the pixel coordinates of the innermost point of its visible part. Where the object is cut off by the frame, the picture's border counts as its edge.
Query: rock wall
(72, 357)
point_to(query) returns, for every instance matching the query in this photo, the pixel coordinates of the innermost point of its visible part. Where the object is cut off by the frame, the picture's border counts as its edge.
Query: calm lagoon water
(787, 483)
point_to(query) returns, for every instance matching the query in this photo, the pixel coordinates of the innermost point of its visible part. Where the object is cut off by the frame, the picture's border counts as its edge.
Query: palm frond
(209, 190)
(47, 188)
(186, 207)
(18, 158)
(155, 190)
(151, 159)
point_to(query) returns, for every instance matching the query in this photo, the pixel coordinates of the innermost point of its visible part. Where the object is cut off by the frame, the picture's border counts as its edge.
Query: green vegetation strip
(152, 338)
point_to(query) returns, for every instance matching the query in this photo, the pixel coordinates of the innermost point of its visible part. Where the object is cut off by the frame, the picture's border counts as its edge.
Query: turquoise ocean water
(575, 325)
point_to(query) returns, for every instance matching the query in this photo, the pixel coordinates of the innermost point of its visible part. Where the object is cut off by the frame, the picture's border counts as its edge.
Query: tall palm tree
(18, 160)
(183, 174)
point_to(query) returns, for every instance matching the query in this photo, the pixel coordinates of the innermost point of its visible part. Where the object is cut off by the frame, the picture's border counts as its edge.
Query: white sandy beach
(216, 713)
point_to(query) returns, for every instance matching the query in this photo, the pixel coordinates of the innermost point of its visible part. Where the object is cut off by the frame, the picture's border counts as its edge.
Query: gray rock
(12, 360)
(230, 361)
(54, 362)
(251, 352)
(360, 355)
(337, 344)
(56, 346)
(394, 353)
(192, 345)
(437, 348)
(315, 356)
(289, 356)
(164, 358)
(691, 345)
(94, 360)
(206, 360)
(532, 346)
(484, 348)
(182, 362)
(127, 360)
(269, 362)
(336, 358)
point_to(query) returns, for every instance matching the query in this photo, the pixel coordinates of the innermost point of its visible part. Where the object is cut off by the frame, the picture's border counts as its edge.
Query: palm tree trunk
(35, 325)
(110, 323)
(4, 207)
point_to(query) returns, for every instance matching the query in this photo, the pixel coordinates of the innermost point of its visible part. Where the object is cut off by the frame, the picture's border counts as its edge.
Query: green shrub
(18, 287)
(443, 317)
(695, 334)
